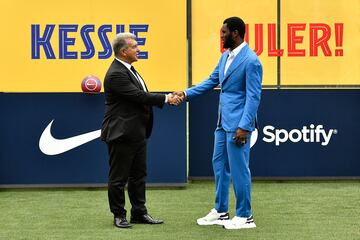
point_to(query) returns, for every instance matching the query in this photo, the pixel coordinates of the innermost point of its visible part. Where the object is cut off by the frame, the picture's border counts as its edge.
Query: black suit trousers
(127, 166)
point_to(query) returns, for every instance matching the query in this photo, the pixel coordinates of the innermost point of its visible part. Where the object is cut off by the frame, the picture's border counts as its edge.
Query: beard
(228, 42)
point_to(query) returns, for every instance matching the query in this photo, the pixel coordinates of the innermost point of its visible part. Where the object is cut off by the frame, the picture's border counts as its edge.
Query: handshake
(175, 98)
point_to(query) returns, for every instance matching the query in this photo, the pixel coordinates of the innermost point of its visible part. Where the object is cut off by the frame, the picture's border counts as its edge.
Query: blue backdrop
(25, 116)
(287, 109)
(304, 115)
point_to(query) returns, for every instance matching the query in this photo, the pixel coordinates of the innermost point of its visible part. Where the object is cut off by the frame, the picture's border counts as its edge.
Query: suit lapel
(237, 61)
(143, 82)
(132, 77)
(222, 65)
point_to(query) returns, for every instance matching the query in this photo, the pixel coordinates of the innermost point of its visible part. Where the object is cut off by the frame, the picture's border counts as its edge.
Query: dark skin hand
(241, 136)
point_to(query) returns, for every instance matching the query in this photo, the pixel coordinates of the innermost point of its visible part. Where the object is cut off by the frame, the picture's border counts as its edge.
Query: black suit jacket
(128, 108)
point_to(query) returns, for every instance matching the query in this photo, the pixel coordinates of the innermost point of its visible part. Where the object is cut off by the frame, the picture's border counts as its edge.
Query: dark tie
(133, 70)
(136, 76)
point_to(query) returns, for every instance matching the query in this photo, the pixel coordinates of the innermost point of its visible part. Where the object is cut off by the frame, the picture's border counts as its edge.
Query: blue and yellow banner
(50, 46)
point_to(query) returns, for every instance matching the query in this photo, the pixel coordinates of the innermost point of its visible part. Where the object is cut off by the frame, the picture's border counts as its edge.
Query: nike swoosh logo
(52, 146)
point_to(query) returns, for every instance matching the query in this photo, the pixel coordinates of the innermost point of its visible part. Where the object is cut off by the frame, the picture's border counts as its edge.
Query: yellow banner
(50, 46)
(323, 37)
(207, 20)
(319, 40)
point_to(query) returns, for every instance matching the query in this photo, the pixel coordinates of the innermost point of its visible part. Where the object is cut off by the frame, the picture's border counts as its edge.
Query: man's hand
(173, 99)
(181, 94)
(241, 136)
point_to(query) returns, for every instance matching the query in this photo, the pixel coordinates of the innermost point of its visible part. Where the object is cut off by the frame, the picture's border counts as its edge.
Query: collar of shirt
(125, 63)
(137, 77)
(237, 49)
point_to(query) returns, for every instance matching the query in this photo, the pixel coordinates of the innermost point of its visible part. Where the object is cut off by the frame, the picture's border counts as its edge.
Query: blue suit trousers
(231, 162)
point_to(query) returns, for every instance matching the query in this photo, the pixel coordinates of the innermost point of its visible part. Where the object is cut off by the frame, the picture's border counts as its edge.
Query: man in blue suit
(239, 76)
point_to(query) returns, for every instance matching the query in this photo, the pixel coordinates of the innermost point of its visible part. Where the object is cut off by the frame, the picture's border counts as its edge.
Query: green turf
(282, 210)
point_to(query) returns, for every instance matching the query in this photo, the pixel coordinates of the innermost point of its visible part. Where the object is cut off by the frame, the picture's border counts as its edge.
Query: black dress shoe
(121, 222)
(145, 219)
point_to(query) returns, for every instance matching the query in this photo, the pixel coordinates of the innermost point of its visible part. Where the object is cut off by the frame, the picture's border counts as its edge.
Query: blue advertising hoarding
(302, 134)
(25, 117)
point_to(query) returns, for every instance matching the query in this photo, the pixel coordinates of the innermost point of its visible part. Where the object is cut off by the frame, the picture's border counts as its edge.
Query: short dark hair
(235, 23)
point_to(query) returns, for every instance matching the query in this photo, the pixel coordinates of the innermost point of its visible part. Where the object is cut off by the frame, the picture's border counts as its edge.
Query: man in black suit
(126, 126)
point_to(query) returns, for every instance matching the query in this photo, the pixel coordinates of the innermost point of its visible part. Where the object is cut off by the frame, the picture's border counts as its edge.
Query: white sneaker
(240, 223)
(213, 218)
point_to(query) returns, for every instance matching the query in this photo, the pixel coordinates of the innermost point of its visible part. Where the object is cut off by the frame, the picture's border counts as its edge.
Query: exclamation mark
(339, 33)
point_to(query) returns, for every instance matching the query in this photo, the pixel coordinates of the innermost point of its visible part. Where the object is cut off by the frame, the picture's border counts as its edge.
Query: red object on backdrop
(91, 84)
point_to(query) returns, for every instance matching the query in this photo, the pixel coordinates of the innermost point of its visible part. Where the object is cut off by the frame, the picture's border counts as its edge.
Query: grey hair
(120, 41)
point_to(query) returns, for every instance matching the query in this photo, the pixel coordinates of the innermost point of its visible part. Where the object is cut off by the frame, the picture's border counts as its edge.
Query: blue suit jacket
(240, 89)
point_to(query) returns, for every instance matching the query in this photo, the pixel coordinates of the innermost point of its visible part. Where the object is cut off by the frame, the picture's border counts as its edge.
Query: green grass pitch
(282, 210)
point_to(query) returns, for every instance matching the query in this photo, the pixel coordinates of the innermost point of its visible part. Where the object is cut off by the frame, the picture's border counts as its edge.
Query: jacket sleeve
(253, 94)
(205, 85)
(120, 84)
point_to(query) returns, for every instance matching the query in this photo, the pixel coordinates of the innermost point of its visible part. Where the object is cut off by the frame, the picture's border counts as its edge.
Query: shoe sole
(244, 226)
(123, 226)
(216, 222)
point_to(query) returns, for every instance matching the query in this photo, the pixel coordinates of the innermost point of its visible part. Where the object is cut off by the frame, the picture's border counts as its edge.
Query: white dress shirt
(232, 55)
